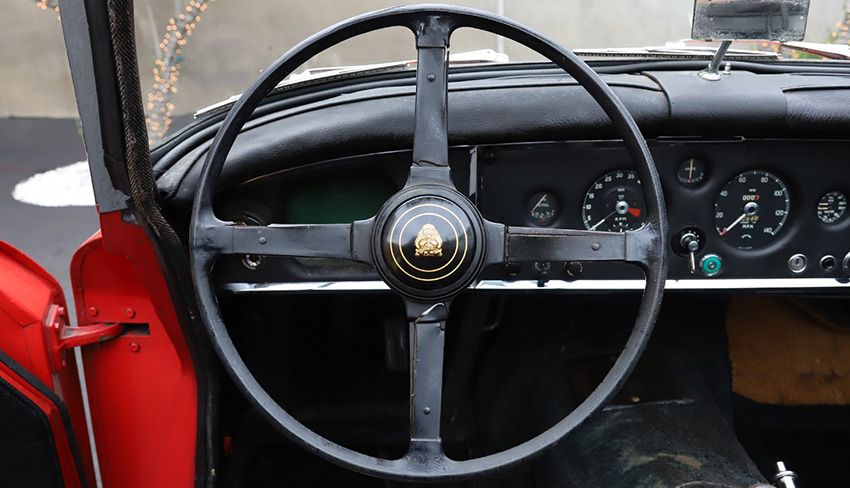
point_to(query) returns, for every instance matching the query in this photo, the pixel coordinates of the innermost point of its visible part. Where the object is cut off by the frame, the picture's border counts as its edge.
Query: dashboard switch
(690, 243)
(845, 264)
(711, 264)
(542, 269)
(797, 263)
(573, 269)
(784, 477)
(827, 263)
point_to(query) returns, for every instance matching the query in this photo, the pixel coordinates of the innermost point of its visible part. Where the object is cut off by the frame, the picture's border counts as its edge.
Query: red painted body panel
(66, 458)
(31, 301)
(142, 386)
(26, 294)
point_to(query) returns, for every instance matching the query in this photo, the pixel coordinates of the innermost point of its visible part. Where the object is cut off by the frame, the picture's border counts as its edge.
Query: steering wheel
(428, 243)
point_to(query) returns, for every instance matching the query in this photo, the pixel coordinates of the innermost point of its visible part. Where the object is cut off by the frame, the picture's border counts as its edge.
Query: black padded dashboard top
(512, 109)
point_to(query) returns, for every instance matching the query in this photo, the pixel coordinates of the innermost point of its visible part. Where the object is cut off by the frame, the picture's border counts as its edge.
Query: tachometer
(752, 209)
(614, 203)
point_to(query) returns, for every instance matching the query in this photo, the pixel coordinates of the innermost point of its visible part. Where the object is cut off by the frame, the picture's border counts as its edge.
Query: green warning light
(711, 264)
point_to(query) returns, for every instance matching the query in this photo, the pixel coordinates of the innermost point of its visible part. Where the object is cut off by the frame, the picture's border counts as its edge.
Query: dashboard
(743, 213)
(754, 169)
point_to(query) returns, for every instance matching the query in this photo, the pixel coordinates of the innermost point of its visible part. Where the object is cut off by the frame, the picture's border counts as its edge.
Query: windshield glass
(194, 53)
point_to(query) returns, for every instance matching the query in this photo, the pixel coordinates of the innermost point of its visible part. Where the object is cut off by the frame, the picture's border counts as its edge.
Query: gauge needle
(603, 220)
(691, 170)
(736, 222)
(540, 202)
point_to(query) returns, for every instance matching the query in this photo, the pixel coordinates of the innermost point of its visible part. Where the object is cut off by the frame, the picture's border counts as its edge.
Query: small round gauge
(614, 203)
(751, 209)
(691, 173)
(543, 208)
(831, 207)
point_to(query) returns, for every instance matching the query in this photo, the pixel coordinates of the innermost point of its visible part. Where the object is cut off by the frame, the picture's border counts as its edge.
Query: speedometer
(752, 209)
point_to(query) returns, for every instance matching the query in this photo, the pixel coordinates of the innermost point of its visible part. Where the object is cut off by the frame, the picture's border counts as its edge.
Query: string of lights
(841, 31)
(48, 5)
(167, 68)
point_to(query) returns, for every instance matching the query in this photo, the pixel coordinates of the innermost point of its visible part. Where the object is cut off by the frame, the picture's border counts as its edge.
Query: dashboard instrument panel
(738, 209)
(751, 205)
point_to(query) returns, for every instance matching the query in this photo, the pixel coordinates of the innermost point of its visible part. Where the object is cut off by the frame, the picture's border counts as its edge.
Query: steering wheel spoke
(430, 129)
(531, 244)
(427, 345)
(329, 241)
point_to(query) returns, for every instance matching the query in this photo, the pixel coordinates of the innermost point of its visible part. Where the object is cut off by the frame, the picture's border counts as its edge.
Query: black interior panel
(365, 118)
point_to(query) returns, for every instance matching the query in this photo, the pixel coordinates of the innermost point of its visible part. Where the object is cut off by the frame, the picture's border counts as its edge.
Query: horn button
(429, 246)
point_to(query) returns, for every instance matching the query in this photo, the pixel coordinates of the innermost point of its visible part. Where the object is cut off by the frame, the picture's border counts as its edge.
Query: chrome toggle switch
(690, 243)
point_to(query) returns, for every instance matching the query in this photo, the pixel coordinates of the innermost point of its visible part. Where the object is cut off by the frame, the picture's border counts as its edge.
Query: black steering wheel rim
(424, 465)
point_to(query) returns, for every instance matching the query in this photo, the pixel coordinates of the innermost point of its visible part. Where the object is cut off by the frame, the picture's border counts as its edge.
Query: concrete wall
(34, 77)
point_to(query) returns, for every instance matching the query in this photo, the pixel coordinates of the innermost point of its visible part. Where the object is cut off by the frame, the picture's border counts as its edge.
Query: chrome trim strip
(696, 285)
(578, 285)
(241, 288)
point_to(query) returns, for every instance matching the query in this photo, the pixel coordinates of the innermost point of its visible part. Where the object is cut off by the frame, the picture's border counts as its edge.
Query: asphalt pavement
(50, 235)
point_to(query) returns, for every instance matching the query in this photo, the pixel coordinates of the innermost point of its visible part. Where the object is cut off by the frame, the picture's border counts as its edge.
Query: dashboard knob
(711, 264)
(845, 264)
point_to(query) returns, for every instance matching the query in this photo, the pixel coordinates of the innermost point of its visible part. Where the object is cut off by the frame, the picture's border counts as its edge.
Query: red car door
(43, 435)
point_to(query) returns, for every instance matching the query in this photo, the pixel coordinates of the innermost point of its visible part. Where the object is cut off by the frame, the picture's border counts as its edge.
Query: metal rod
(712, 72)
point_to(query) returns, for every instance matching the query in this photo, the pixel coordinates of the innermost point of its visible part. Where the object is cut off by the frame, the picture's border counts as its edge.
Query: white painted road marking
(66, 186)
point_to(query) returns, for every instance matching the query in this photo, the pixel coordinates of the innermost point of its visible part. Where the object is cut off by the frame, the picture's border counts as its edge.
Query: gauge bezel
(531, 205)
(596, 221)
(694, 183)
(841, 216)
(728, 228)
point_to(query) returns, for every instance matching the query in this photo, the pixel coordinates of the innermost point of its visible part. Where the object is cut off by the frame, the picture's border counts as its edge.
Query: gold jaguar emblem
(428, 242)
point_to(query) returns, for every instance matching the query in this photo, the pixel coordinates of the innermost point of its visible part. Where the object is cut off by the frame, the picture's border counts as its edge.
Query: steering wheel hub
(428, 246)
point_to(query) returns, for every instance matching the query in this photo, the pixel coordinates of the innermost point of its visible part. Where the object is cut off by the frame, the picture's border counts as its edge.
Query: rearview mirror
(766, 20)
